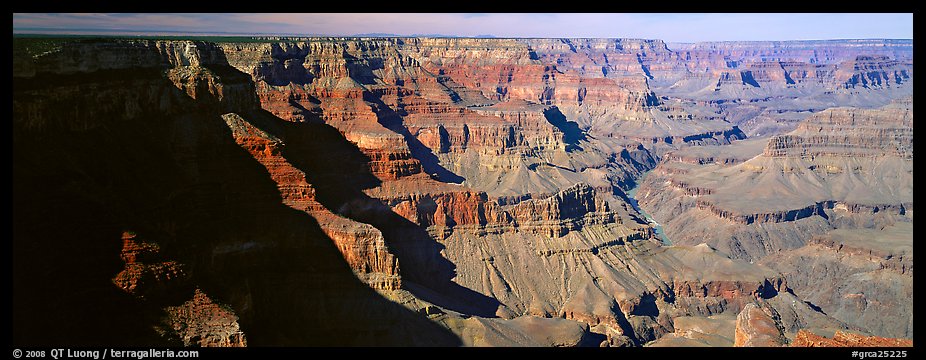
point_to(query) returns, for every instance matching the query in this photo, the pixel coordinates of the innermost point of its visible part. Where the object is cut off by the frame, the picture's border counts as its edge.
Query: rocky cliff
(193, 229)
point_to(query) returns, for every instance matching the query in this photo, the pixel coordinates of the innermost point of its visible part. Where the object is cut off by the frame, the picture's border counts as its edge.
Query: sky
(687, 27)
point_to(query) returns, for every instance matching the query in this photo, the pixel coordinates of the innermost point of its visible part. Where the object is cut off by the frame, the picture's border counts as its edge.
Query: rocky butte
(455, 191)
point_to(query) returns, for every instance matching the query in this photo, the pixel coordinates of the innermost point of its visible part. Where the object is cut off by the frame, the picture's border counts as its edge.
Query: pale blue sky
(666, 26)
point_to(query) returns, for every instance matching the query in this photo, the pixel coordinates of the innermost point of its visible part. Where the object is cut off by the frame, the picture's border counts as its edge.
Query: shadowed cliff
(340, 176)
(99, 153)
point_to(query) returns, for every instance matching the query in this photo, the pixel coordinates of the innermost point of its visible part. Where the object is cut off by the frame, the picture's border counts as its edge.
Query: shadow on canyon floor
(430, 164)
(572, 134)
(339, 171)
(181, 179)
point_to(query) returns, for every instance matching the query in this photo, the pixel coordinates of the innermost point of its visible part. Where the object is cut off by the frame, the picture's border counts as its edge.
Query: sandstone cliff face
(300, 81)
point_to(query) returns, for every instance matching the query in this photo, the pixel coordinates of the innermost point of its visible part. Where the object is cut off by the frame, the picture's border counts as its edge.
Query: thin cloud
(670, 26)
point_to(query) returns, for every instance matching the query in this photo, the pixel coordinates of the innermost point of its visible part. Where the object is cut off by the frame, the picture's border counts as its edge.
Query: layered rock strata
(829, 205)
(836, 150)
(768, 87)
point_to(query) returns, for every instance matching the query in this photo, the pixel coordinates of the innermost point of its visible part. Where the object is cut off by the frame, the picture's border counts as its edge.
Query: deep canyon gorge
(462, 192)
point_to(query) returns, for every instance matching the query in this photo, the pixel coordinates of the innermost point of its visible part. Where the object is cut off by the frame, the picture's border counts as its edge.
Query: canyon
(462, 192)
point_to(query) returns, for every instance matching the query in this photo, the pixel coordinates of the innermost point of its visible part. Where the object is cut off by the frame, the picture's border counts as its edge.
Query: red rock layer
(563, 72)
(197, 322)
(729, 290)
(428, 203)
(503, 128)
(300, 81)
(445, 208)
(805, 338)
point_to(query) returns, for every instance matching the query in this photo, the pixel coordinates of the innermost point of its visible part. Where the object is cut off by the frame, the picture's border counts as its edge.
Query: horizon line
(110, 32)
